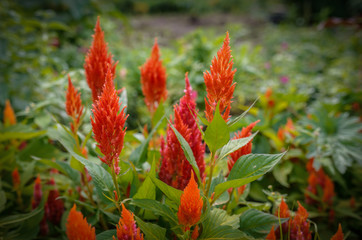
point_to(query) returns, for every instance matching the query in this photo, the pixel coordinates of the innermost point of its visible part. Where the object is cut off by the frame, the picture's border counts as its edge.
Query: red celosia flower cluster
(54, 208)
(297, 227)
(37, 196)
(153, 80)
(245, 132)
(97, 62)
(78, 227)
(126, 228)
(16, 178)
(219, 82)
(323, 180)
(108, 124)
(287, 129)
(9, 115)
(73, 106)
(189, 212)
(175, 169)
(339, 234)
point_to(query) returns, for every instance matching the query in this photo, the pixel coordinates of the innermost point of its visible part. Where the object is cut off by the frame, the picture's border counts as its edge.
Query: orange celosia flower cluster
(108, 124)
(323, 180)
(73, 105)
(126, 228)
(339, 234)
(297, 227)
(175, 170)
(78, 227)
(270, 102)
(287, 129)
(97, 63)
(153, 80)
(219, 82)
(189, 212)
(9, 115)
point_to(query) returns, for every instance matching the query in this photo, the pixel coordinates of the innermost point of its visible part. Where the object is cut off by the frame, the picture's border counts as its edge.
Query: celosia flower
(271, 235)
(282, 212)
(219, 82)
(245, 132)
(189, 211)
(16, 178)
(37, 193)
(73, 105)
(269, 98)
(287, 129)
(175, 169)
(9, 115)
(300, 225)
(97, 62)
(195, 233)
(153, 80)
(108, 124)
(77, 226)
(339, 234)
(328, 191)
(54, 208)
(126, 228)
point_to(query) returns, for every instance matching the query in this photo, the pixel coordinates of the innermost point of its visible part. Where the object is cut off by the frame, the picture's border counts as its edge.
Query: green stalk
(114, 178)
(210, 174)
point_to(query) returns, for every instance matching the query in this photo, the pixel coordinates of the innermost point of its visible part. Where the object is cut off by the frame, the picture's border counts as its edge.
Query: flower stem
(114, 178)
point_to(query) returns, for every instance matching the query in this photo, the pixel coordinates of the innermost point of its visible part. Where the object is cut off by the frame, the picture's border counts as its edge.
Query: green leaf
(234, 145)
(2, 198)
(19, 131)
(123, 100)
(217, 133)
(139, 155)
(64, 168)
(172, 193)
(18, 218)
(219, 225)
(157, 208)
(281, 172)
(247, 169)
(238, 118)
(107, 235)
(188, 152)
(147, 189)
(151, 231)
(159, 113)
(258, 224)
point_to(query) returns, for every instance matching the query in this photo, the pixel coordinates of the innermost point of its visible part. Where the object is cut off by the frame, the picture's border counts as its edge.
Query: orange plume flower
(219, 82)
(245, 132)
(189, 212)
(9, 115)
(300, 225)
(108, 124)
(339, 234)
(126, 228)
(73, 105)
(97, 62)
(271, 235)
(78, 227)
(153, 80)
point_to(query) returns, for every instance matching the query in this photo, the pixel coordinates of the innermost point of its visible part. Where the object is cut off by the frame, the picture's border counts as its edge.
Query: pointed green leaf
(107, 235)
(147, 189)
(234, 145)
(172, 193)
(150, 230)
(237, 119)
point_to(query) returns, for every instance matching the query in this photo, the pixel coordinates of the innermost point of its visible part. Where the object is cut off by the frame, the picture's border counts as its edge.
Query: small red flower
(219, 82)
(108, 124)
(97, 62)
(153, 80)
(73, 105)
(126, 228)
(339, 234)
(189, 212)
(16, 178)
(9, 115)
(78, 227)
(175, 170)
(245, 132)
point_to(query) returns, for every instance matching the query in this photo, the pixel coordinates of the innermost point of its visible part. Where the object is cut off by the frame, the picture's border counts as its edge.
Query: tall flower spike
(54, 207)
(219, 82)
(189, 211)
(73, 105)
(175, 170)
(9, 115)
(126, 228)
(245, 132)
(108, 124)
(339, 234)
(153, 80)
(78, 227)
(300, 225)
(97, 62)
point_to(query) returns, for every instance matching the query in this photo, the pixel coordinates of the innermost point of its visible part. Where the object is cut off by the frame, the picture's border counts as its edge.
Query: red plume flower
(108, 124)
(300, 225)
(126, 228)
(9, 115)
(37, 194)
(189, 211)
(97, 62)
(219, 82)
(153, 80)
(175, 169)
(73, 105)
(245, 132)
(339, 234)
(54, 208)
(78, 227)
(16, 178)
